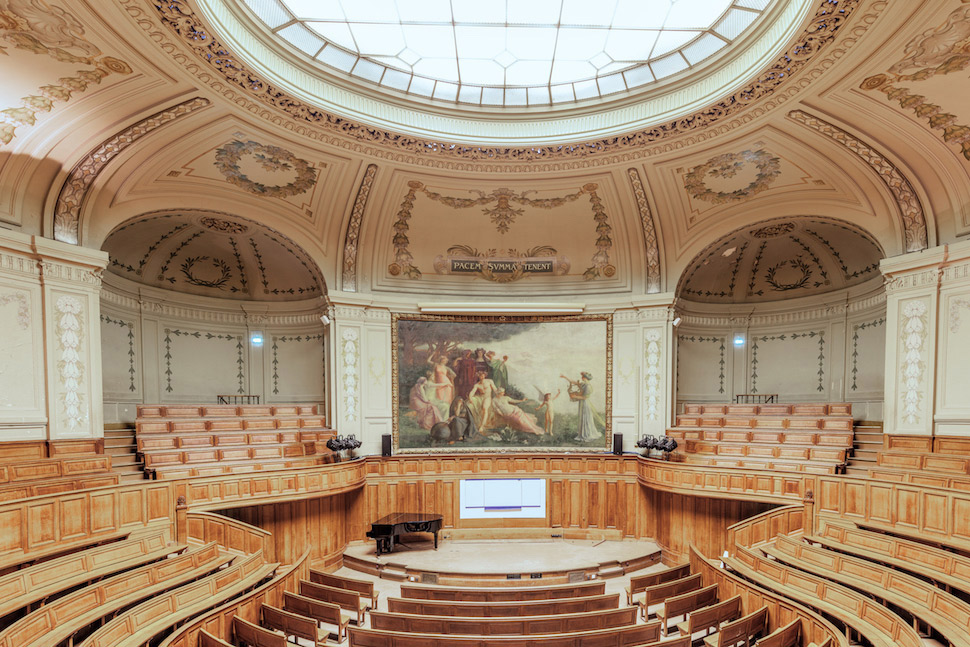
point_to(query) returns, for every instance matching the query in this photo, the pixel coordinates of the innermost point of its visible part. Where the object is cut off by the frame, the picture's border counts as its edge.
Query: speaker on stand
(386, 445)
(618, 444)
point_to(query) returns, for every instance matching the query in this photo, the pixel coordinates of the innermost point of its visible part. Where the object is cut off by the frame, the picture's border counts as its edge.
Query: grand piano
(386, 530)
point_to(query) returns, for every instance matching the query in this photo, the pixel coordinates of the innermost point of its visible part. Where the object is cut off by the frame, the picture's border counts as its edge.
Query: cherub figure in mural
(545, 405)
(443, 375)
(480, 401)
(579, 391)
(425, 412)
(464, 367)
(497, 369)
(513, 416)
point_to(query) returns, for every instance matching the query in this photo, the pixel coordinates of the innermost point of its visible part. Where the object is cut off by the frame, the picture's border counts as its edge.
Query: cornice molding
(213, 64)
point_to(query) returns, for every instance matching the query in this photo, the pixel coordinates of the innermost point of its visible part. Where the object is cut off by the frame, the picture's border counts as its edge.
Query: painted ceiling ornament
(503, 214)
(272, 159)
(225, 273)
(803, 275)
(729, 165)
(942, 50)
(225, 226)
(773, 231)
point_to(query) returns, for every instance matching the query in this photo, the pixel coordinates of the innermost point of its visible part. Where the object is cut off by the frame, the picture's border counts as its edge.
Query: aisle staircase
(867, 441)
(119, 443)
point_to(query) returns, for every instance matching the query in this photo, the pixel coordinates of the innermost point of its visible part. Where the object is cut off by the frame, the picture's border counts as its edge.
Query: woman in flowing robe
(514, 417)
(444, 377)
(426, 413)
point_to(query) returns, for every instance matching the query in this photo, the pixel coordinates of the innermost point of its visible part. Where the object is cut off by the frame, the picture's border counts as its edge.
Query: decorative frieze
(69, 330)
(652, 374)
(650, 241)
(350, 381)
(914, 331)
(352, 237)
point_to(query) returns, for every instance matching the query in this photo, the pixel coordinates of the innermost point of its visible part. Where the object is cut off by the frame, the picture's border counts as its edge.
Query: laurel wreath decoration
(219, 264)
(728, 165)
(795, 263)
(271, 158)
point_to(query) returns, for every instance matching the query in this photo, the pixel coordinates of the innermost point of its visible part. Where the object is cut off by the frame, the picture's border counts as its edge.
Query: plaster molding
(808, 315)
(73, 274)
(649, 228)
(652, 378)
(350, 380)
(187, 40)
(67, 210)
(69, 330)
(913, 334)
(923, 278)
(351, 313)
(910, 207)
(349, 277)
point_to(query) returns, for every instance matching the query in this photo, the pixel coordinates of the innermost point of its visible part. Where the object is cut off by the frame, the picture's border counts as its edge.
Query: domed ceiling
(781, 259)
(213, 255)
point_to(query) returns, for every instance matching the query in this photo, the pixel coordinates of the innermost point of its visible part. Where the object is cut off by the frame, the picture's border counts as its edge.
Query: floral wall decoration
(272, 161)
(914, 333)
(350, 363)
(727, 166)
(652, 374)
(43, 29)
(69, 328)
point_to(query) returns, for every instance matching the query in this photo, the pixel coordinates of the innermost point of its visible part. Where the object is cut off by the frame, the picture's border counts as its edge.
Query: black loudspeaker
(617, 443)
(386, 445)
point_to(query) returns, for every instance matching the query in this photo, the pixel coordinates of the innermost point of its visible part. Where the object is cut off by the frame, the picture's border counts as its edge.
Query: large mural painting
(479, 383)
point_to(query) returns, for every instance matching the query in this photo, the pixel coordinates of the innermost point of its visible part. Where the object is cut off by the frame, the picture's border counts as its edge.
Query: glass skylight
(510, 52)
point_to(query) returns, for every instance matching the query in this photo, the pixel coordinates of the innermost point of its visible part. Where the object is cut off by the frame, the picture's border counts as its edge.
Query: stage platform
(503, 562)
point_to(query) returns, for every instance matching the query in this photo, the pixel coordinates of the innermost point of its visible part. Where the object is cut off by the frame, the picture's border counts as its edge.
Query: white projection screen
(503, 499)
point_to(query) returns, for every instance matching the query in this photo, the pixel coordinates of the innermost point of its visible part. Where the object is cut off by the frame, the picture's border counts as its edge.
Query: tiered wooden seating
(24, 587)
(140, 624)
(942, 566)
(320, 612)
(683, 604)
(939, 454)
(180, 441)
(247, 634)
(208, 640)
(812, 438)
(785, 636)
(710, 618)
(502, 594)
(640, 583)
(294, 624)
(880, 626)
(522, 625)
(36, 468)
(645, 635)
(504, 609)
(350, 600)
(740, 631)
(363, 587)
(657, 593)
(946, 613)
(58, 620)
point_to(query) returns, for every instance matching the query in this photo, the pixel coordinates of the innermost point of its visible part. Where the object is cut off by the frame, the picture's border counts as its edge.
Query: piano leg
(436, 540)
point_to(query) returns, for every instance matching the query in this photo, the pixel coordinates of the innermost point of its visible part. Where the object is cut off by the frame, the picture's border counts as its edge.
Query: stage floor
(499, 557)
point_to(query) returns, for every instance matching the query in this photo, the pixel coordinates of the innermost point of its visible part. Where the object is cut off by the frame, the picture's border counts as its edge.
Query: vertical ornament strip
(69, 367)
(914, 338)
(351, 239)
(350, 355)
(649, 232)
(652, 374)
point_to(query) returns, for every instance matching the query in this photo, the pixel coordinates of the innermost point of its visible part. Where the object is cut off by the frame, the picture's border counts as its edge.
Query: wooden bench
(208, 640)
(785, 636)
(504, 609)
(350, 600)
(247, 634)
(502, 594)
(641, 582)
(29, 585)
(659, 592)
(319, 611)
(293, 624)
(138, 625)
(26, 489)
(364, 587)
(946, 613)
(710, 617)
(880, 626)
(679, 605)
(740, 631)
(643, 635)
(523, 625)
(59, 619)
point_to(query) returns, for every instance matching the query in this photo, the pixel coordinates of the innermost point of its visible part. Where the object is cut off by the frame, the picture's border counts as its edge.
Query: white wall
(164, 347)
(817, 349)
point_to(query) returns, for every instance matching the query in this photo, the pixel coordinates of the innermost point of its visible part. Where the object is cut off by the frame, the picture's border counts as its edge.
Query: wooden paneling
(762, 528)
(230, 534)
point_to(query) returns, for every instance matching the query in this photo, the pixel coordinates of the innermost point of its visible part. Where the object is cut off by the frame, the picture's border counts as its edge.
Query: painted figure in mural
(461, 422)
(513, 416)
(464, 374)
(481, 363)
(444, 376)
(579, 391)
(498, 371)
(480, 400)
(545, 405)
(426, 413)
